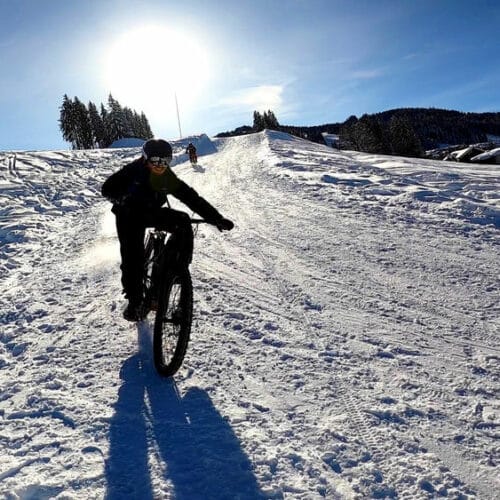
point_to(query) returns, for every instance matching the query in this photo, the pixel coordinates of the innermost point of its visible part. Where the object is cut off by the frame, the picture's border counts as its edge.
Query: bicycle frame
(168, 290)
(166, 252)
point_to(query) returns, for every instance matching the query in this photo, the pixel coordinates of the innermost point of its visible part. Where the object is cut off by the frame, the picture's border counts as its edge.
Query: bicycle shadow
(202, 457)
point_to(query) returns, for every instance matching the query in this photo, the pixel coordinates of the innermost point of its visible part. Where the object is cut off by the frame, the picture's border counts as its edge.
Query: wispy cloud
(413, 55)
(261, 97)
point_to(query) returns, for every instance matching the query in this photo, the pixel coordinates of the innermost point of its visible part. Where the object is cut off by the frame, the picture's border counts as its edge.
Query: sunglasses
(158, 161)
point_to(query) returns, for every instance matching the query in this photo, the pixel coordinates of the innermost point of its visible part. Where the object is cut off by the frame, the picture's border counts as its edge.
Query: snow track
(345, 341)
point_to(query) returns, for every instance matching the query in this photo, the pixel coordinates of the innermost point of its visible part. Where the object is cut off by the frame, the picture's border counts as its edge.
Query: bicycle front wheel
(173, 323)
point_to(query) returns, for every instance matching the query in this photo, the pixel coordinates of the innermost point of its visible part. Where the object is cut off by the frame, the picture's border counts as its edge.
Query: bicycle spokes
(174, 312)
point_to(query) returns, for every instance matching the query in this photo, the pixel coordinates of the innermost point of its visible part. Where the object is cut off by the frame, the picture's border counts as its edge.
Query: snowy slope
(345, 342)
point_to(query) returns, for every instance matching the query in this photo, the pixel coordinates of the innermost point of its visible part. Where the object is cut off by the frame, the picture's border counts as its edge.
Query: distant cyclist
(191, 150)
(138, 191)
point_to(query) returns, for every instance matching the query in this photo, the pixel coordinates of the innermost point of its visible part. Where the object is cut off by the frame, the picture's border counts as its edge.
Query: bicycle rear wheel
(172, 326)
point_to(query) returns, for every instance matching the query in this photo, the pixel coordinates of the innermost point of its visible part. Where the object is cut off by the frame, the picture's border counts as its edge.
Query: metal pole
(178, 116)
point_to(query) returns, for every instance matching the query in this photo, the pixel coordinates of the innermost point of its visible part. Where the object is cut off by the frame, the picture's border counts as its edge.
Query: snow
(487, 155)
(345, 341)
(332, 140)
(461, 153)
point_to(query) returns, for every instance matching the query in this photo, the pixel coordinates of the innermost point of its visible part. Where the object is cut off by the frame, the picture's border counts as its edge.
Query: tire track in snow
(368, 422)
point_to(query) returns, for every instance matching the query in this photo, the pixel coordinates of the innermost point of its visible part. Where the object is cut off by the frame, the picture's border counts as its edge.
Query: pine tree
(146, 132)
(98, 130)
(347, 133)
(369, 135)
(84, 135)
(105, 121)
(128, 123)
(266, 120)
(67, 121)
(270, 120)
(258, 122)
(404, 140)
(116, 120)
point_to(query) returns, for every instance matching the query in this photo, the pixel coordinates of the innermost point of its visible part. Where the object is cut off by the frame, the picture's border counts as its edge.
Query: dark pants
(131, 227)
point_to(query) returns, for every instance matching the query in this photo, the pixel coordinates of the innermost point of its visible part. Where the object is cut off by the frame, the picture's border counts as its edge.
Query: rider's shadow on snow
(200, 454)
(198, 168)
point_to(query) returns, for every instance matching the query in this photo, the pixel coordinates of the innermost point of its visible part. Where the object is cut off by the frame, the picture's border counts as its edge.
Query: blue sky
(310, 61)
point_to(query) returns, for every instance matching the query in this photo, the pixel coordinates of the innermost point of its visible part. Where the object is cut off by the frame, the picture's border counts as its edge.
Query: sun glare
(146, 66)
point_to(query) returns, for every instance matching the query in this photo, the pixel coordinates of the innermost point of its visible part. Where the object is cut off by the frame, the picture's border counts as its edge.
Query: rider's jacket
(134, 189)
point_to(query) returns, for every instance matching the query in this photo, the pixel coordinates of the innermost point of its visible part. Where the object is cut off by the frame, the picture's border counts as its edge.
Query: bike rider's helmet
(156, 150)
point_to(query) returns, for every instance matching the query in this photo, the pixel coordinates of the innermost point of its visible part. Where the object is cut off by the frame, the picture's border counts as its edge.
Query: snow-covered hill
(345, 342)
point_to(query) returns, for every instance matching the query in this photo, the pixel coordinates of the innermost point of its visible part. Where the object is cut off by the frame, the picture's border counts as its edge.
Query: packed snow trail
(345, 341)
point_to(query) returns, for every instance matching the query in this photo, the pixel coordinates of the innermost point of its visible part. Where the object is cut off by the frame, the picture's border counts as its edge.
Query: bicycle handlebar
(192, 221)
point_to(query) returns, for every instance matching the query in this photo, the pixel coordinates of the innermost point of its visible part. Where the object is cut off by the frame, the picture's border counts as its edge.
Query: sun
(146, 66)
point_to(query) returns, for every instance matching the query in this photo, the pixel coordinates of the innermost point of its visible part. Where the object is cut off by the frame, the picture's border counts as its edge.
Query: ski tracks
(346, 354)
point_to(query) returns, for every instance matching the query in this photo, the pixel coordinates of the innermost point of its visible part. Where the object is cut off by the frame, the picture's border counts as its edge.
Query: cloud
(262, 97)
(413, 55)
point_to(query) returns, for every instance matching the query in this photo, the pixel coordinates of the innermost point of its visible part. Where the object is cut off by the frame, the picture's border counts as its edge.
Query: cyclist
(138, 191)
(191, 150)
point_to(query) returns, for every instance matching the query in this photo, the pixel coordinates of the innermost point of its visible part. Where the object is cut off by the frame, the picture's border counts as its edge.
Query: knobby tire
(172, 327)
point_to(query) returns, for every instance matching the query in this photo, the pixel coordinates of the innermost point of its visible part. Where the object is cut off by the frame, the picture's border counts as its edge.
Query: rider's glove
(224, 224)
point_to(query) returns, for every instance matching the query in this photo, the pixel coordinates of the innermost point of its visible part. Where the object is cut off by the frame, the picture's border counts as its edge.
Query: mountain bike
(193, 158)
(168, 290)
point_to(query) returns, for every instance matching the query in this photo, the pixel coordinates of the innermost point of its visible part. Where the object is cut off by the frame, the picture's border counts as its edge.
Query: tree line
(436, 127)
(87, 127)
(402, 131)
(369, 135)
(365, 134)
